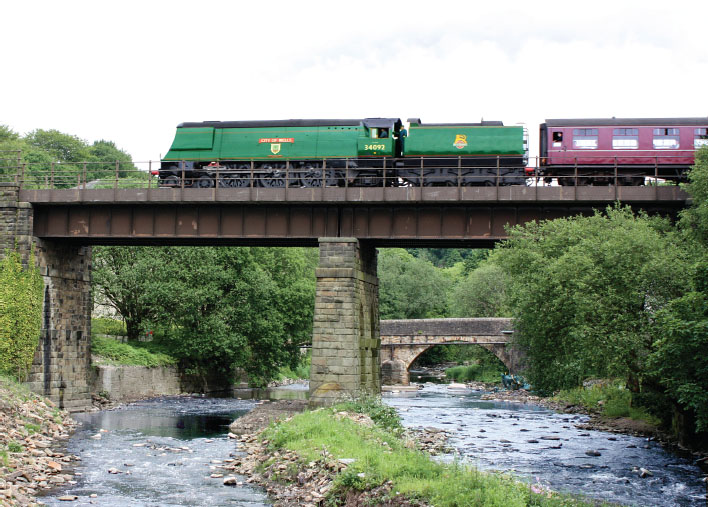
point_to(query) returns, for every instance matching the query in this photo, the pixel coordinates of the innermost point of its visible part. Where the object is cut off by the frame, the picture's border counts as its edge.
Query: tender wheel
(171, 181)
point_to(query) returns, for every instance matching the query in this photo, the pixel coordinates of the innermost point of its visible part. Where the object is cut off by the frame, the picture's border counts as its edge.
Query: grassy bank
(383, 462)
(609, 399)
(130, 354)
(473, 373)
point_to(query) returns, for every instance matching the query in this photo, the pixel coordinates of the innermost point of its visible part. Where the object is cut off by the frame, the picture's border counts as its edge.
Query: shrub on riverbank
(134, 354)
(105, 325)
(473, 373)
(376, 461)
(610, 399)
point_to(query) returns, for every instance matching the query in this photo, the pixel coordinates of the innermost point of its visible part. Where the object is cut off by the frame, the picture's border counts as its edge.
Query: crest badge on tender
(460, 141)
(275, 148)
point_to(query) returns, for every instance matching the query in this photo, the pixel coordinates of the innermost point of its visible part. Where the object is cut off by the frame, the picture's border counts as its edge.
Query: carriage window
(557, 139)
(625, 139)
(700, 137)
(585, 139)
(666, 139)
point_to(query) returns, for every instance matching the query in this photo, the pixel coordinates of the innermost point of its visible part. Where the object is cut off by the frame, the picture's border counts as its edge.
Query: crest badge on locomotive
(275, 148)
(460, 141)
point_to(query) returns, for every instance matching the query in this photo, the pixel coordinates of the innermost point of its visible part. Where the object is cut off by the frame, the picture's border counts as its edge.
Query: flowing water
(165, 450)
(546, 448)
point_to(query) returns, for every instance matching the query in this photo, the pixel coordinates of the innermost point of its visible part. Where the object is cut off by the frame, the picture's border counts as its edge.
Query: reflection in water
(164, 451)
(538, 444)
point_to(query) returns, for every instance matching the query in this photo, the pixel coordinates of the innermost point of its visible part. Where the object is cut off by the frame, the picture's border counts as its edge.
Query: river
(166, 449)
(546, 448)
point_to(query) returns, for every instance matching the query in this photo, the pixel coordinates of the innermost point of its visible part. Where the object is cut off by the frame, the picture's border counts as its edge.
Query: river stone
(68, 498)
(593, 452)
(532, 441)
(550, 438)
(230, 481)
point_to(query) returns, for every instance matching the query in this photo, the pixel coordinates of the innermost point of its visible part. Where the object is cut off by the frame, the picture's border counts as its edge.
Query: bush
(103, 325)
(474, 373)
(21, 297)
(382, 414)
(611, 399)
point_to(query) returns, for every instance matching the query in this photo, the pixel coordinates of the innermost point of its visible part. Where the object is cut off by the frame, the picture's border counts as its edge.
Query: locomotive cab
(379, 139)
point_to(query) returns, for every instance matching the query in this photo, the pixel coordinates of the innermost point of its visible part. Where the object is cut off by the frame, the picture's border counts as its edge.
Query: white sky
(130, 71)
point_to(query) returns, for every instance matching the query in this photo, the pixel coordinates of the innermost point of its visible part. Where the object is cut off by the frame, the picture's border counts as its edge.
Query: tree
(410, 288)
(585, 290)
(482, 293)
(216, 309)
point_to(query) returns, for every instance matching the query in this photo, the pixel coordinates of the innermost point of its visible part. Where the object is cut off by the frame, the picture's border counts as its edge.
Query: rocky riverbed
(288, 480)
(33, 432)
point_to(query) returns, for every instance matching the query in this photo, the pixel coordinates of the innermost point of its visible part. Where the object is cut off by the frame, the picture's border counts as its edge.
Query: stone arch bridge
(402, 341)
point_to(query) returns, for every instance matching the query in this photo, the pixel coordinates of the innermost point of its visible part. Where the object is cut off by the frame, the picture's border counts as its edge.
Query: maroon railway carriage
(628, 149)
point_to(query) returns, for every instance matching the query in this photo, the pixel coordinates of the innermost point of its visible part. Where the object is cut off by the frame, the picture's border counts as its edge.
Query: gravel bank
(32, 433)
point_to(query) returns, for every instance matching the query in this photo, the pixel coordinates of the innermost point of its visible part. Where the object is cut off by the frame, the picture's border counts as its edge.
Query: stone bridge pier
(345, 337)
(61, 365)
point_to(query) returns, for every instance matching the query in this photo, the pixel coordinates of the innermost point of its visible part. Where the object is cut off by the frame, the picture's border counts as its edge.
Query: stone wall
(130, 383)
(345, 341)
(61, 363)
(15, 222)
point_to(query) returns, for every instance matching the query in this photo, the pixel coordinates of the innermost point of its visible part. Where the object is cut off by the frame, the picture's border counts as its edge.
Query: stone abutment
(60, 369)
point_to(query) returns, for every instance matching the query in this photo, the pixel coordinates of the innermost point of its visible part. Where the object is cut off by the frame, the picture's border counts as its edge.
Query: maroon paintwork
(565, 155)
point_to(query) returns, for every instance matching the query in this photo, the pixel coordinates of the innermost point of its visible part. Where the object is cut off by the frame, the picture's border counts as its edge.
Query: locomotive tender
(379, 151)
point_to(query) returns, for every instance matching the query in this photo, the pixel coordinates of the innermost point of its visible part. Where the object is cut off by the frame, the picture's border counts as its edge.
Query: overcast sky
(130, 71)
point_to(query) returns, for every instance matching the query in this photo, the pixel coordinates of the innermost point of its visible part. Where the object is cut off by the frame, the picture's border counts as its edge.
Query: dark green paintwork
(307, 143)
(440, 141)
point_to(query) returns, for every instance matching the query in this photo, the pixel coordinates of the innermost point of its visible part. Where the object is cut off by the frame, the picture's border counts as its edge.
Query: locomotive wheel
(274, 176)
(204, 181)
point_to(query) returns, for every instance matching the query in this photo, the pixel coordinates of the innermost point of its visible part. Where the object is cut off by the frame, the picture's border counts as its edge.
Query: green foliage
(459, 353)
(130, 354)
(584, 293)
(680, 358)
(474, 373)
(301, 371)
(21, 296)
(13, 446)
(410, 288)
(105, 325)
(482, 293)
(610, 399)
(217, 309)
(32, 428)
(381, 456)
(383, 415)
(694, 219)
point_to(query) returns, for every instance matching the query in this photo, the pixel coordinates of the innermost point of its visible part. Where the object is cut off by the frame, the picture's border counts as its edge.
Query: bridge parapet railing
(410, 173)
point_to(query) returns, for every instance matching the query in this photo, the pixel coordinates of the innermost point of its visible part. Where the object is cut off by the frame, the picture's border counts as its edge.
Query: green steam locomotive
(341, 152)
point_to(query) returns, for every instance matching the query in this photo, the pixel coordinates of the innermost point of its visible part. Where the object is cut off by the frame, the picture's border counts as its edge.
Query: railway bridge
(348, 225)
(402, 341)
